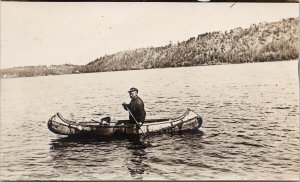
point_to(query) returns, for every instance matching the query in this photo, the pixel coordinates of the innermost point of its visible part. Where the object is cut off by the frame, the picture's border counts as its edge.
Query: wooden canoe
(189, 121)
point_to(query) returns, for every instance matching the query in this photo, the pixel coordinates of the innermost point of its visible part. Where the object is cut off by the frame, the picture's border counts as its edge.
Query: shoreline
(223, 64)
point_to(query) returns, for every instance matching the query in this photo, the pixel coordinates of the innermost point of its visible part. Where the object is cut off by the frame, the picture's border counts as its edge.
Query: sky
(51, 33)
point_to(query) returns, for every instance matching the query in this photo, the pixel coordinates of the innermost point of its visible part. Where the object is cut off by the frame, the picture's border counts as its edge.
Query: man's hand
(125, 105)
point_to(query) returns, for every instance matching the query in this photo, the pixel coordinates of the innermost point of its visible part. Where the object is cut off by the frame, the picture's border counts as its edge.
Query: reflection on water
(87, 152)
(137, 162)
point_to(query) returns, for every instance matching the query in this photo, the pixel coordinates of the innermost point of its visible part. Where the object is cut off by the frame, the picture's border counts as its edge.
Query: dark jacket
(136, 107)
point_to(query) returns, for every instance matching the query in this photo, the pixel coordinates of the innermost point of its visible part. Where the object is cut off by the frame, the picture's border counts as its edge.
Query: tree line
(273, 41)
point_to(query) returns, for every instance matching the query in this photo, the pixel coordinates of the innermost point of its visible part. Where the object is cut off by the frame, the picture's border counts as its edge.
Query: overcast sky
(46, 33)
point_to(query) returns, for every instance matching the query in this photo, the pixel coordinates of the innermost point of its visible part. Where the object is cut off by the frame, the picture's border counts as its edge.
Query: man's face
(132, 94)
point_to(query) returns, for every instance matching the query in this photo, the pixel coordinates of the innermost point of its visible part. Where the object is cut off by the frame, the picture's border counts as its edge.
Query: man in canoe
(135, 108)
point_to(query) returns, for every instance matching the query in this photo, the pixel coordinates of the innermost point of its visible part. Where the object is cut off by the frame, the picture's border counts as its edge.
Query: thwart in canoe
(189, 121)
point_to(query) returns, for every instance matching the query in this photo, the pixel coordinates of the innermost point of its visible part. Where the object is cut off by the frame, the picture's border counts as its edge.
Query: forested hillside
(263, 42)
(273, 41)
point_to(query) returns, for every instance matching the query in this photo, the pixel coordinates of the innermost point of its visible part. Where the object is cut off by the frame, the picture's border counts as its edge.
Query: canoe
(189, 121)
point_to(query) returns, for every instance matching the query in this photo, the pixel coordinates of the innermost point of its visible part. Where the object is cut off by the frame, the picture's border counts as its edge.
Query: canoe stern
(57, 126)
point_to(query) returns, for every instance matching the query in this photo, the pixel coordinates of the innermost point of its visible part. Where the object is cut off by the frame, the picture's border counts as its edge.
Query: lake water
(250, 113)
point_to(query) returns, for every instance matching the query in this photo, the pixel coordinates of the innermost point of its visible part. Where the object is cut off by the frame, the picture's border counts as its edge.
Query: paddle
(135, 120)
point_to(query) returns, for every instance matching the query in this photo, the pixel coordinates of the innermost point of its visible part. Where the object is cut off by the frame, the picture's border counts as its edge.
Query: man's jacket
(136, 107)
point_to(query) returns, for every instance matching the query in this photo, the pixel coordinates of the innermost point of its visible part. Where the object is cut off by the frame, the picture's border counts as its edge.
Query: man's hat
(133, 89)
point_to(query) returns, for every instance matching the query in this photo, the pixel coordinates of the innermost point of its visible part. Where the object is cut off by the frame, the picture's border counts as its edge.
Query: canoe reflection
(114, 158)
(137, 162)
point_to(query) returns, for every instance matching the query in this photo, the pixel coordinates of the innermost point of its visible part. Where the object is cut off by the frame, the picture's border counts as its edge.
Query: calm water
(250, 112)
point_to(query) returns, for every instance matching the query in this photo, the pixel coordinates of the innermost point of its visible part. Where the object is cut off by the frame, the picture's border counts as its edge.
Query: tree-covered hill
(273, 41)
(276, 41)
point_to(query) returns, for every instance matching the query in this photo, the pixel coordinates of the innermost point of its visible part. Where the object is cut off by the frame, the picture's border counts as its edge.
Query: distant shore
(14, 76)
(263, 42)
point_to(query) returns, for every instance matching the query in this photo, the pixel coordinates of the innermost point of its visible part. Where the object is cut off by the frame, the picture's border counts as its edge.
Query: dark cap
(133, 89)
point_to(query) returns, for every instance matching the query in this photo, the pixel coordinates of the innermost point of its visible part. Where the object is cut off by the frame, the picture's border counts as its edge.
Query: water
(250, 112)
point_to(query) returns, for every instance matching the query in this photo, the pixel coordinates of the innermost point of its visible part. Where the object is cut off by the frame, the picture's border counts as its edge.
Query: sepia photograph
(101, 91)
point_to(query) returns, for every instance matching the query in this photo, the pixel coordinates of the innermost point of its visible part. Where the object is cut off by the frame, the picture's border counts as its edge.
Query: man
(135, 107)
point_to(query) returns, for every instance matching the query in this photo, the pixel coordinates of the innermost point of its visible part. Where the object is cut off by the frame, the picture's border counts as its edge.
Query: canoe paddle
(135, 120)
